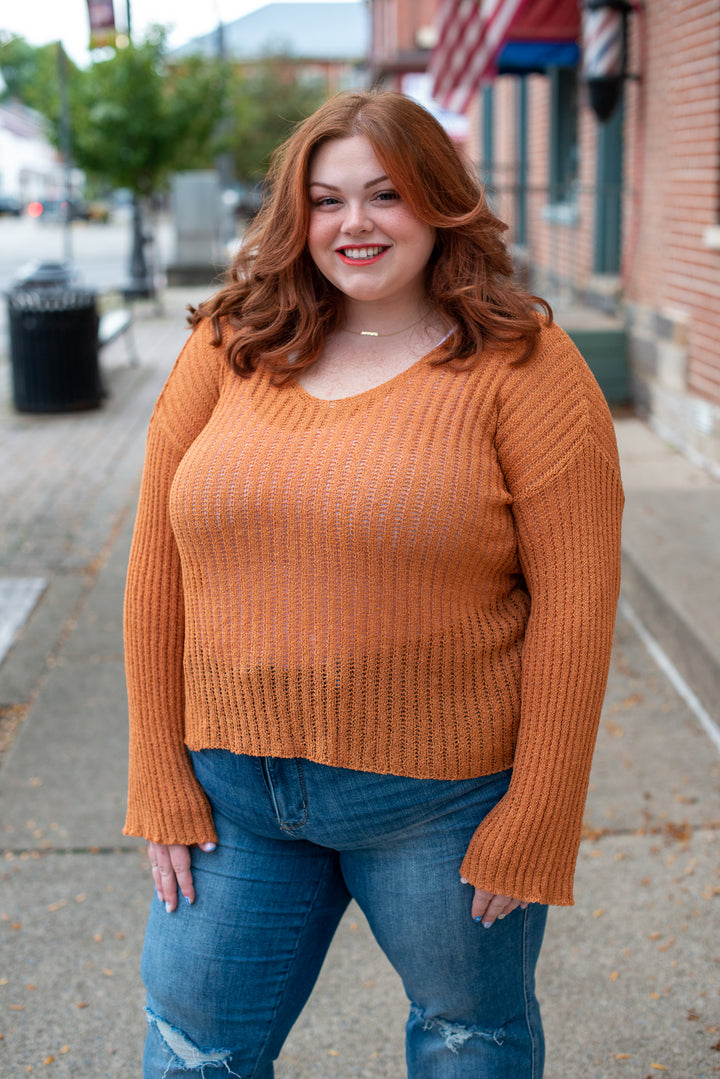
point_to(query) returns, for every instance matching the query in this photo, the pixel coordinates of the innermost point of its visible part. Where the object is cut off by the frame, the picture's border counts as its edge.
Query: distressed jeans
(227, 978)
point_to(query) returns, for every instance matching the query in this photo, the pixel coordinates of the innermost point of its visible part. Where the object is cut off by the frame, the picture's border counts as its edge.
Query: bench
(114, 324)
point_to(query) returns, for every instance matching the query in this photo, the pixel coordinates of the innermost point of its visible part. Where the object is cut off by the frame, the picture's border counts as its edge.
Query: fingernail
(209, 846)
(464, 880)
(168, 908)
(486, 925)
(477, 918)
(187, 899)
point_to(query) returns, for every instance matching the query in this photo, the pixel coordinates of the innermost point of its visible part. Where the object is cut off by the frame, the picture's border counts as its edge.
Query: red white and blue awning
(479, 39)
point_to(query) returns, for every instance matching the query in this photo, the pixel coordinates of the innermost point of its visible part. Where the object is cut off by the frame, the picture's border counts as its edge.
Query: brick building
(401, 35)
(618, 223)
(325, 42)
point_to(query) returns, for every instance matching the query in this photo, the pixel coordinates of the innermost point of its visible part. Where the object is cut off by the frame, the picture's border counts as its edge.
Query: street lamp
(605, 53)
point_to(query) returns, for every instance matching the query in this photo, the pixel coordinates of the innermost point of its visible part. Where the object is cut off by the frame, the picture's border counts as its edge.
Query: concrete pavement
(629, 976)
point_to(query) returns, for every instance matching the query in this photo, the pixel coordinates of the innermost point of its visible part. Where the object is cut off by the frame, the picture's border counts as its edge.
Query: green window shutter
(563, 134)
(608, 194)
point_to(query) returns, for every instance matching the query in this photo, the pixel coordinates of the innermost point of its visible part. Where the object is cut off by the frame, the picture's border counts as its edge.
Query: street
(100, 252)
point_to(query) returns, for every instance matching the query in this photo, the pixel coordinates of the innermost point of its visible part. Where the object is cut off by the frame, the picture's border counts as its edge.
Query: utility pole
(224, 161)
(66, 147)
(140, 285)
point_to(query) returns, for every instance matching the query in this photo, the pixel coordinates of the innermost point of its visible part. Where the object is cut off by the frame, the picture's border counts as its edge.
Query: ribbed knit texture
(419, 580)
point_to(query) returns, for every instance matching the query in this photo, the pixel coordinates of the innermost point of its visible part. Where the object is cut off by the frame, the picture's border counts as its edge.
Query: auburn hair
(278, 305)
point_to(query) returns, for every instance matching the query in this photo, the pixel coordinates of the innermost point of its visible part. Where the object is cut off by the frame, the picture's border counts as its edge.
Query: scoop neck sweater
(420, 579)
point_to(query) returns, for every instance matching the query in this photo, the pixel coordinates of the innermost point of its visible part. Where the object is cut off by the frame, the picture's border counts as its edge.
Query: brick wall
(672, 265)
(560, 248)
(399, 31)
(670, 273)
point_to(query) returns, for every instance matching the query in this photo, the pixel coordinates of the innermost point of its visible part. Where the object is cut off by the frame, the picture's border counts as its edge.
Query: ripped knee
(454, 1035)
(185, 1053)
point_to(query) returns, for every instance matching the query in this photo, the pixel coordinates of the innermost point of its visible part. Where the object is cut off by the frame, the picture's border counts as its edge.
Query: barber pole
(603, 68)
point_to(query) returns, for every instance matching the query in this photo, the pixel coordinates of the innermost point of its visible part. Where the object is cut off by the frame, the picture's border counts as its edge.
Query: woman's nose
(356, 218)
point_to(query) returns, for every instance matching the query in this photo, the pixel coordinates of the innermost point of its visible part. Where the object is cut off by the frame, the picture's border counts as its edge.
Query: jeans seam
(303, 788)
(528, 1024)
(271, 791)
(281, 994)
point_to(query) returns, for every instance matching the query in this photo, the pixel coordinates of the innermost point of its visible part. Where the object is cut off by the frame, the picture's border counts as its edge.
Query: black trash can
(54, 348)
(46, 273)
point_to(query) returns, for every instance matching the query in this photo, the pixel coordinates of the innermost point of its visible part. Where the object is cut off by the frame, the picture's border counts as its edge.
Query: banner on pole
(102, 23)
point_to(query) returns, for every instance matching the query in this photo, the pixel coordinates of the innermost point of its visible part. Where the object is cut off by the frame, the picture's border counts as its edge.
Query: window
(563, 173)
(521, 146)
(608, 194)
(487, 165)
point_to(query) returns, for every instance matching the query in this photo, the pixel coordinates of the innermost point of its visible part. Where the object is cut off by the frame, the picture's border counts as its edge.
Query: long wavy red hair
(278, 304)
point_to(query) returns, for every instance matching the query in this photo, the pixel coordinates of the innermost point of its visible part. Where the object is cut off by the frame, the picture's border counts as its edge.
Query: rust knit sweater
(420, 579)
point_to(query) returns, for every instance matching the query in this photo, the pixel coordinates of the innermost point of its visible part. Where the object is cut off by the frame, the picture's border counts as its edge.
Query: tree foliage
(136, 118)
(30, 74)
(266, 101)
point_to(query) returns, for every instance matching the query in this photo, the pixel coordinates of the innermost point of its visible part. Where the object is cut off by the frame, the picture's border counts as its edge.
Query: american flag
(471, 34)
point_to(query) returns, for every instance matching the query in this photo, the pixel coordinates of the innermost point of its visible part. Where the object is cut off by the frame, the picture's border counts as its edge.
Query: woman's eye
(326, 200)
(387, 196)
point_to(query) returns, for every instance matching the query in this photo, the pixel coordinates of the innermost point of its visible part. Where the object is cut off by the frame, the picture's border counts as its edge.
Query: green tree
(266, 102)
(30, 74)
(135, 119)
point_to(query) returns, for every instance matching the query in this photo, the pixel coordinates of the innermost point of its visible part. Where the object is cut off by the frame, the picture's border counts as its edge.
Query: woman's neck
(383, 320)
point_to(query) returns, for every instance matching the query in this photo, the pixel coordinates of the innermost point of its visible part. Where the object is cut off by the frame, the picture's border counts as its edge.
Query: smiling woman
(369, 612)
(358, 221)
(289, 306)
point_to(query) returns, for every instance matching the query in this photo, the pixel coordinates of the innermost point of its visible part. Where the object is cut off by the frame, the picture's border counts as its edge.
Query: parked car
(10, 206)
(98, 210)
(55, 209)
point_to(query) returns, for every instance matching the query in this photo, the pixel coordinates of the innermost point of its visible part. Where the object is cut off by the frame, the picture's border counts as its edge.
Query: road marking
(18, 596)
(672, 674)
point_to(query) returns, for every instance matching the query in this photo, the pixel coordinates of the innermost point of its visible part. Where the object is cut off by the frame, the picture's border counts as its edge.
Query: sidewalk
(629, 976)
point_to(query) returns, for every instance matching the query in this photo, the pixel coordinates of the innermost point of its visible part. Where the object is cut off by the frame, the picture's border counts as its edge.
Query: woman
(369, 613)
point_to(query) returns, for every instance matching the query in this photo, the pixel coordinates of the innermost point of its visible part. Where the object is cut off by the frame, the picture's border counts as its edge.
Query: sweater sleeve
(557, 447)
(165, 801)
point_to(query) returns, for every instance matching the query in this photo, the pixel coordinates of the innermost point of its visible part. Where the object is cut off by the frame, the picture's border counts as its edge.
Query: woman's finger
(170, 864)
(154, 855)
(168, 882)
(487, 907)
(180, 862)
(163, 872)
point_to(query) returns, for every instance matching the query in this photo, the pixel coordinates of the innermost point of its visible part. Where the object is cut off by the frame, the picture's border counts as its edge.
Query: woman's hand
(487, 906)
(171, 870)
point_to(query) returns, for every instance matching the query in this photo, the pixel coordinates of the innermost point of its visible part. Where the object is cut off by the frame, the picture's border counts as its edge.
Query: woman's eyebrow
(331, 187)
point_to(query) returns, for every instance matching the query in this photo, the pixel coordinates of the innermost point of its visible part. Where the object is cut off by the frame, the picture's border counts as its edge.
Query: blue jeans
(227, 978)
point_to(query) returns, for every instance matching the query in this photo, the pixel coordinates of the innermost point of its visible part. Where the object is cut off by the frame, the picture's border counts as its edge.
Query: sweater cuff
(177, 813)
(526, 864)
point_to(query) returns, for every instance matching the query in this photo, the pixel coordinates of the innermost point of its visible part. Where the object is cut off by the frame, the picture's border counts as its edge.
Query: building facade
(327, 43)
(618, 223)
(401, 36)
(30, 168)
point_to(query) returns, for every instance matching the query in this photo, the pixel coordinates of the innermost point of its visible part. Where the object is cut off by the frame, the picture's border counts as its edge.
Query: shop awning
(479, 39)
(544, 34)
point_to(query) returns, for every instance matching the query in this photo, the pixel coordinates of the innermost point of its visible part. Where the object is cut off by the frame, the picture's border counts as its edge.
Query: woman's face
(362, 237)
